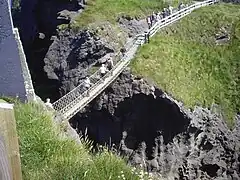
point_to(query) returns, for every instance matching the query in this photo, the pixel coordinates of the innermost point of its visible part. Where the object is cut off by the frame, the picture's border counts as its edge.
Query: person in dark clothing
(181, 6)
(164, 13)
(123, 51)
(147, 37)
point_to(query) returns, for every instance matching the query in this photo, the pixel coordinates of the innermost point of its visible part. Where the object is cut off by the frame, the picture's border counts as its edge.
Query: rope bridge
(71, 103)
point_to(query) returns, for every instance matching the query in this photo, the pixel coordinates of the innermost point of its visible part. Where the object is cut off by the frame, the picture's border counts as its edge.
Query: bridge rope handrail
(74, 96)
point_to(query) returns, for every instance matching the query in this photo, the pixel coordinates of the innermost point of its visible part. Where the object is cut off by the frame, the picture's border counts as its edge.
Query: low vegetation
(47, 155)
(109, 10)
(185, 61)
(2, 101)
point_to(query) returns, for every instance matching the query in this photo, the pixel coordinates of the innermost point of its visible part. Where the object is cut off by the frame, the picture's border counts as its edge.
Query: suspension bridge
(71, 103)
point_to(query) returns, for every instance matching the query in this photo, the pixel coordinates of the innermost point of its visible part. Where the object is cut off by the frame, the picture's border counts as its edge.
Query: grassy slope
(2, 101)
(110, 10)
(184, 61)
(45, 156)
(101, 17)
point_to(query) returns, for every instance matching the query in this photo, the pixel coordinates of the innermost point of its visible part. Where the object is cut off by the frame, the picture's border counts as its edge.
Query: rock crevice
(159, 134)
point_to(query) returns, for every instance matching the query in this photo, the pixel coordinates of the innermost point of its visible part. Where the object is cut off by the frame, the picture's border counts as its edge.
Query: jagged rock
(41, 35)
(180, 143)
(70, 55)
(134, 26)
(223, 35)
(65, 15)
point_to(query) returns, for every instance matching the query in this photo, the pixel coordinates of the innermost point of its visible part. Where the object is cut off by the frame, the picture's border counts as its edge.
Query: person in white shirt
(158, 16)
(48, 104)
(170, 9)
(181, 6)
(149, 22)
(87, 85)
(103, 70)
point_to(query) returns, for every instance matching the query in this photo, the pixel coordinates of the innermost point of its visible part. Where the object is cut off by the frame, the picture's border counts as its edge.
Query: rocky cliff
(38, 21)
(144, 123)
(154, 130)
(71, 55)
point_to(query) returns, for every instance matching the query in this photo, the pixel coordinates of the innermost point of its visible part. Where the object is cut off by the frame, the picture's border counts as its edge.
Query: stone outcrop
(58, 59)
(132, 25)
(38, 21)
(150, 128)
(156, 132)
(71, 55)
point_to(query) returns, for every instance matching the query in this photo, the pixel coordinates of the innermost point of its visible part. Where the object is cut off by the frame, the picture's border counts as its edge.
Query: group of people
(105, 67)
(156, 16)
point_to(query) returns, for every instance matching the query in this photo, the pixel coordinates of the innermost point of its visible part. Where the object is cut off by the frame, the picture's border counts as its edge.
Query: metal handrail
(71, 99)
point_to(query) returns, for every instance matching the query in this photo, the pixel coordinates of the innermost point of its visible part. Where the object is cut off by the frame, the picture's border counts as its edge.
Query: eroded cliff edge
(159, 133)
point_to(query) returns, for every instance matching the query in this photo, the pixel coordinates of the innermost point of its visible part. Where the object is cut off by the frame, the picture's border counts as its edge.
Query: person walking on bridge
(103, 70)
(158, 16)
(110, 63)
(146, 37)
(48, 104)
(170, 8)
(164, 12)
(154, 18)
(149, 22)
(181, 6)
(87, 84)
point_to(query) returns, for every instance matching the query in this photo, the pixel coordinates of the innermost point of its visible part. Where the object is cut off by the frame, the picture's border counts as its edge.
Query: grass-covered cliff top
(47, 155)
(184, 60)
(109, 10)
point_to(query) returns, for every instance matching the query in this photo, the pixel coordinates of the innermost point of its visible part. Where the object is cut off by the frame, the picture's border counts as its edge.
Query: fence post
(10, 165)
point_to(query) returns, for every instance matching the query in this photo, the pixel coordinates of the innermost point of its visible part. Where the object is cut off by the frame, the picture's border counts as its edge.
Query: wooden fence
(10, 165)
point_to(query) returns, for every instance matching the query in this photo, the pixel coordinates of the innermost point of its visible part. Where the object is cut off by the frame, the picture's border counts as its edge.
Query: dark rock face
(38, 23)
(160, 134)
(70, 55)
(42, 16)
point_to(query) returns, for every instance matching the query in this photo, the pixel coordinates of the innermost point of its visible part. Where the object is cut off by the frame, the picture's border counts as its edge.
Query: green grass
(47, 155)
(2, 101)
(184, 61)
(110, 10)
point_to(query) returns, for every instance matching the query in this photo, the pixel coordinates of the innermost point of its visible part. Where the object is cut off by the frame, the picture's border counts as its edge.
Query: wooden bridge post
(10, 165)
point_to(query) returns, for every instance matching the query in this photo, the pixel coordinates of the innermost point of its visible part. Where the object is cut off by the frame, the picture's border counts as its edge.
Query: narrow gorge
(133, 115)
